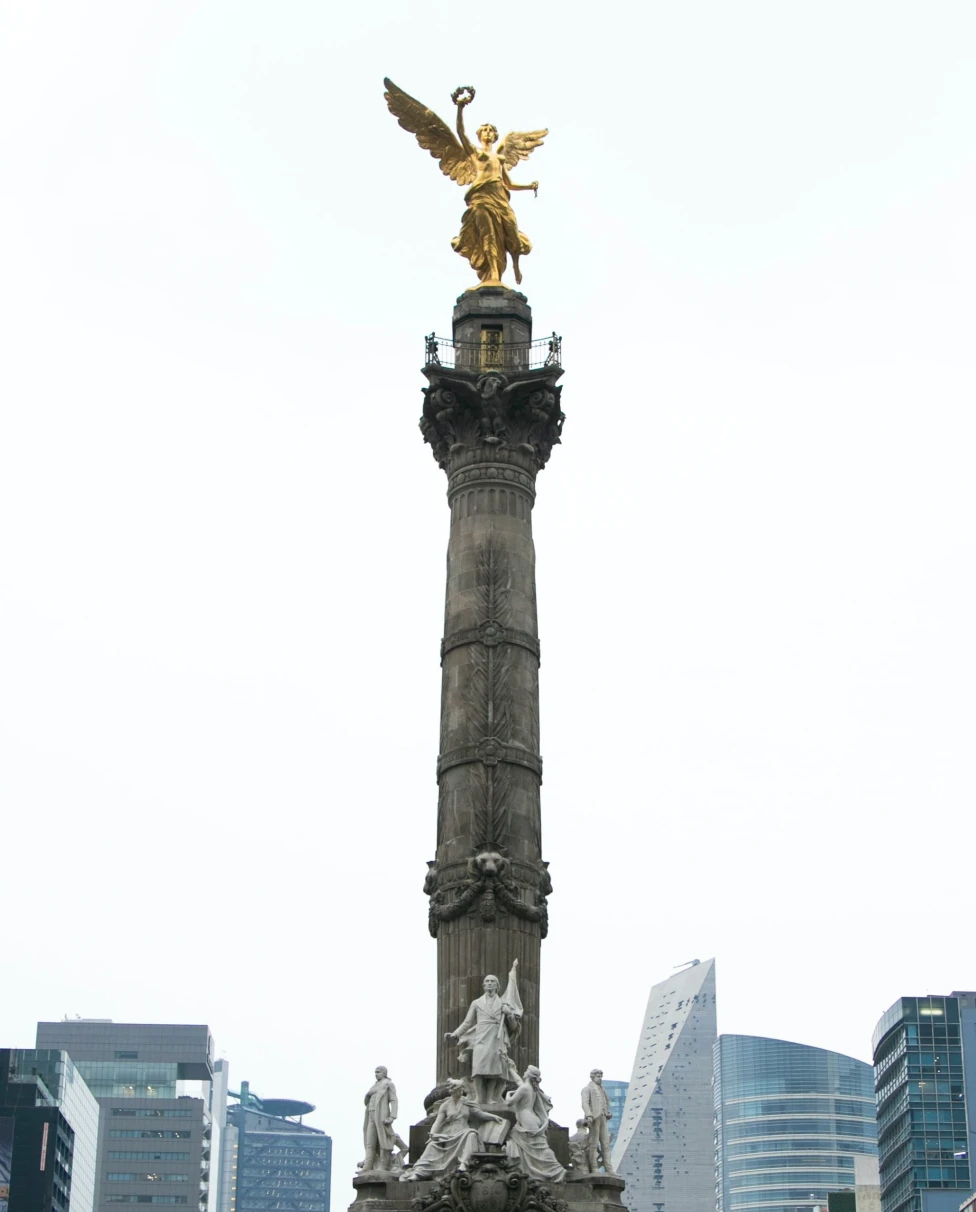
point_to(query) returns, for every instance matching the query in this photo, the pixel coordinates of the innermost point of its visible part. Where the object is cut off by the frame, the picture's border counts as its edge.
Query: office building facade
(272, 1160)
(790, 1121)
(48, 1133)
(664, 1146)
(925, 1083)
(154, 1086)
(866, 1195)
(617, 1094)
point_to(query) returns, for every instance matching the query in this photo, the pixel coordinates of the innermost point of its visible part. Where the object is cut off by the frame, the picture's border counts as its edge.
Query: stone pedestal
(594, 1193)
(590, 1193)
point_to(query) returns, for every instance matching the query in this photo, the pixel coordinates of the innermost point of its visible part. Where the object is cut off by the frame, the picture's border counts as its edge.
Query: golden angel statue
(489, 231)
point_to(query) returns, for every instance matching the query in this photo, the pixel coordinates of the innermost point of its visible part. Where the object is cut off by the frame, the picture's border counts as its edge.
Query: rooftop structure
(272, 1160)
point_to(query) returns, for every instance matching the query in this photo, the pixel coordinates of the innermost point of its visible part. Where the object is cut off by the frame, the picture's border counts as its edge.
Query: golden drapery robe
(489, 231)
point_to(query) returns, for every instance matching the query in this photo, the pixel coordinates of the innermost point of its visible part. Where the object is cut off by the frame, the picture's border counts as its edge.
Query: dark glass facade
(789, 1120)
(921, 1071)
(37, 1144)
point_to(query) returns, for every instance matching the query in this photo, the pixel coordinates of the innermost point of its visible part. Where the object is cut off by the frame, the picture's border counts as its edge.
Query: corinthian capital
(501, 417)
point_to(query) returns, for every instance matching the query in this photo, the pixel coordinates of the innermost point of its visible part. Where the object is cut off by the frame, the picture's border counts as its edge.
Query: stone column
(491, 422)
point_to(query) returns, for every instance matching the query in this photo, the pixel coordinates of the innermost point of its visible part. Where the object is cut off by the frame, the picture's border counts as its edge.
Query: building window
(116, 1176)
(145, 1155)
(146, 1199)
(147, 1134)
(154, 1112)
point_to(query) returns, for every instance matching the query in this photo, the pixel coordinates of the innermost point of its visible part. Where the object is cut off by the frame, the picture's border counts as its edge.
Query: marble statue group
(503, 1113)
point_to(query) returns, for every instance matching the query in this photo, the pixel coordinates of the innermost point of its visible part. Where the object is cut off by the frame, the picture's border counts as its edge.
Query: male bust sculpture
(378, 1133)
(596, 1108)
(486, 1033)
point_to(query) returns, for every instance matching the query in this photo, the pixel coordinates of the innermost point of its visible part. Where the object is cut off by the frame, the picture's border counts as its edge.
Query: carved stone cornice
(491, 469)
(470, 417)
(489, 883)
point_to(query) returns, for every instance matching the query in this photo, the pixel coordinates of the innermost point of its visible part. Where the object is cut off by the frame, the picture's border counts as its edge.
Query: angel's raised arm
(461, 98)
(433, 134)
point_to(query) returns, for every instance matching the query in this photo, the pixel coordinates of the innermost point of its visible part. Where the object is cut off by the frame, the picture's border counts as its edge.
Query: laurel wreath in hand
(463, 96)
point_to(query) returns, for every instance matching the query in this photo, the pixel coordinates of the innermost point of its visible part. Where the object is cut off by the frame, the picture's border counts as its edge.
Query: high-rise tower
(925, 1085)
(154, 1085)
(48, 1133)
(664, 1146)
(270, 1159)
(491, 416)
(791, 1122)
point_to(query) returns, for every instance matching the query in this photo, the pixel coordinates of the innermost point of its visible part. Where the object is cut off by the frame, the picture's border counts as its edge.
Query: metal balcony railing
(484, 357)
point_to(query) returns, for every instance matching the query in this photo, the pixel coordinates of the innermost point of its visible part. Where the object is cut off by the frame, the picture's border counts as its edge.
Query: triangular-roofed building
(664, 1146)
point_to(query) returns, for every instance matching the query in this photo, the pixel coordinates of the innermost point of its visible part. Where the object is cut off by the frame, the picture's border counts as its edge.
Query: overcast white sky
(222, 548)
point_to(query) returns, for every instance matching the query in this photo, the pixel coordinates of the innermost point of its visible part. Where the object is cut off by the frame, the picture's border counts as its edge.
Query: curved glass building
(789, 1120)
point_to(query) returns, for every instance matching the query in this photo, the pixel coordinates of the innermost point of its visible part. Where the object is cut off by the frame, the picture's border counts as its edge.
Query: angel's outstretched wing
(433, 135)
(519, 145)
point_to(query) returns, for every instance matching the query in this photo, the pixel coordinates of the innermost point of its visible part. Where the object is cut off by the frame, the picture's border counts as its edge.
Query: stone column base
(587, 1193)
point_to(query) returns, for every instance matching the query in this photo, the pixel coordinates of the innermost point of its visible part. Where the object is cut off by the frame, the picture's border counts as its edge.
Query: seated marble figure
(453, 1136)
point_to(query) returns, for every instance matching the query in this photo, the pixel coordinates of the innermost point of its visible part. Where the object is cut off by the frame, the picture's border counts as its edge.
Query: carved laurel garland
(489, 882)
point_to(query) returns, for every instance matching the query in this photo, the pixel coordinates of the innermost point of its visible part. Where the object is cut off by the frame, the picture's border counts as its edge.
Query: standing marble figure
(528, 1142)
(489, 1027)
(381, 1111)
(596, 1108)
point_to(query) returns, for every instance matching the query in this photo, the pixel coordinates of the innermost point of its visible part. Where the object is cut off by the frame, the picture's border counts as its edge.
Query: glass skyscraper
(617, 1094)
(789, 1121)
(664, 1146)
(51, 1132)
(271, 1159)
(925, 1079)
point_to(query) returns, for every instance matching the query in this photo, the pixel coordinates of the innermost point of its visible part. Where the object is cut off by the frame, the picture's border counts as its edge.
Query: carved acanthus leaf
(463, 411)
